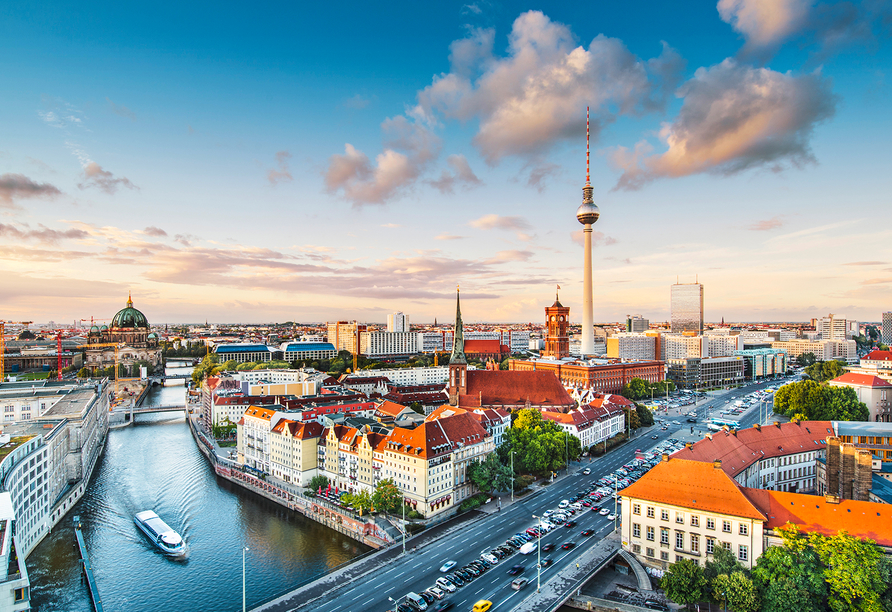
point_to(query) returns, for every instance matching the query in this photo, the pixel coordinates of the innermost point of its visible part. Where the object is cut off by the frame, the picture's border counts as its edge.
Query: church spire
(458, 336)
(129, 300)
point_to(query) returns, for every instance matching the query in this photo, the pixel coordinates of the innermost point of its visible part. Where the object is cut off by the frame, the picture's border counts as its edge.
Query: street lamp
(538, 555)
(244, 550)
(404, 525)
(512, 476)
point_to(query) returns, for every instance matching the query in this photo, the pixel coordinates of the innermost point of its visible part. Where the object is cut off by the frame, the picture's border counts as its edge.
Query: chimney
(688, 445)
(863, 476)
(795, 421)
(833, 461)
(708, 436)
(778, 424)
(757, 427)
(847, 470)
(831, 499)
(717, 464)
(665, 457)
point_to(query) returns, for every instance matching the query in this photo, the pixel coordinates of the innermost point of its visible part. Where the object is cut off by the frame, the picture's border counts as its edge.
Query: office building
(764, 362)
(631, 346)
(398, 322)
(344, 335)
(636, 324)
(687, 308)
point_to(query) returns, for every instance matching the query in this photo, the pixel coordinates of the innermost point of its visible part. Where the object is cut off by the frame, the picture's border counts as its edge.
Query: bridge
(132, 412)
(160, 378)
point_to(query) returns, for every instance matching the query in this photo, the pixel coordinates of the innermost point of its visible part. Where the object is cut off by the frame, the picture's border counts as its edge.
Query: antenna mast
(587, 174)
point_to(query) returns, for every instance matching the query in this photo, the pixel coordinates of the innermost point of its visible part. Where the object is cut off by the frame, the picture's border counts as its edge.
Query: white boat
(159, 533)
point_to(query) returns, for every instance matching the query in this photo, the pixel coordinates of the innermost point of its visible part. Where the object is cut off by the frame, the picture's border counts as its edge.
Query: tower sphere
(587, 213)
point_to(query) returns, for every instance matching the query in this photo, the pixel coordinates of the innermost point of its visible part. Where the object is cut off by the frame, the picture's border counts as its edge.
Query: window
(650, 552)
(742, 552)
(744, 529)
(650, 512)
(664, 536)
(664, 555)
(664, 515)
(726, 545)
(679, 540)
(710, 546)
(726, 526)
(695, 543)
(636, 530)
(710, 523)
(636, 508)
(695, 520)
(650, 533)
(679, 518)
(636, 548)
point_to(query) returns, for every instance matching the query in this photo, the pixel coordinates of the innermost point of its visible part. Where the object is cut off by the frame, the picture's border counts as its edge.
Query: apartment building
(380, 344)
(592, 424)
(631, 346)
(344, 335)
(823, 350)
(293, 451)
(875, 392)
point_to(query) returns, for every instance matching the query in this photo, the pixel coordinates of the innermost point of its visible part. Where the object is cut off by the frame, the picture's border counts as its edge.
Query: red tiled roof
(515, 387)
(695, 485)
(299, 430)
(878, 355)
(738, 451)
(861, 380)
(390, 408)
(489, 347)
(814, 514)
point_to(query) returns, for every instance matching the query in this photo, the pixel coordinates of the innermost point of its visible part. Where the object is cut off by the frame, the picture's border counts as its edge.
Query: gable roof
(693, 484)
(815, 514)
(739, 450)
(514, 388)
(861, 380)
(878, 355)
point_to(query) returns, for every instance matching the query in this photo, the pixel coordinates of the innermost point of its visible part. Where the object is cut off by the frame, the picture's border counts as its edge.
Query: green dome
(129, 317)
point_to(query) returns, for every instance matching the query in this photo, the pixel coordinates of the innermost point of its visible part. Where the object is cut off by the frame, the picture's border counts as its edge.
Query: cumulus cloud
(461, 175)
(154, 231)
(95, 176)
(765, 24)
(767, 224)
(121, 110)
(733, 117)
(19, 186)
(511, 223)
(532, 98)
(282, 173)
(410, 146)
(44, 234)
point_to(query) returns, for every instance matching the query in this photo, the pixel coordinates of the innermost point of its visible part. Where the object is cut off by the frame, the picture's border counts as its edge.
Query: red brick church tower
(557, 342)
(458, 364)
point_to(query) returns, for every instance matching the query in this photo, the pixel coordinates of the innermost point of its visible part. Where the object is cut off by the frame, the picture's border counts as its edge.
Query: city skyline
(230, 168)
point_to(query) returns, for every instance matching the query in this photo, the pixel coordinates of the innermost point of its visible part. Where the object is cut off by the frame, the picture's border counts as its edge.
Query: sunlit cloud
(18, 186)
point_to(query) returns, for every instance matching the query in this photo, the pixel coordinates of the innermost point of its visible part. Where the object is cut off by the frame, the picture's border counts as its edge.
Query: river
(154, 465)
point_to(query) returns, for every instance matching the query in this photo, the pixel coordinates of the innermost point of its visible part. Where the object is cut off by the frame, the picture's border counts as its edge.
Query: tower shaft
(588, 323)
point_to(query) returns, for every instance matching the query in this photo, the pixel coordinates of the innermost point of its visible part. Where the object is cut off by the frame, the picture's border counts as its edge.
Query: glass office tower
(687, 308)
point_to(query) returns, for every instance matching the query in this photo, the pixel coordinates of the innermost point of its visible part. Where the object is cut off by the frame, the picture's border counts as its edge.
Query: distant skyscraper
(687, 307)
(398, 322)
(833, 327)
(637, 323)
(887, 328)
(587, 214)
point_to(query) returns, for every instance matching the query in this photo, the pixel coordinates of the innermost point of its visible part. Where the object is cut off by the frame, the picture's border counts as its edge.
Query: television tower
(587, 214)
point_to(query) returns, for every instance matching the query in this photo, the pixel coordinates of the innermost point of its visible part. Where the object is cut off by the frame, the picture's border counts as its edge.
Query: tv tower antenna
(588, 181)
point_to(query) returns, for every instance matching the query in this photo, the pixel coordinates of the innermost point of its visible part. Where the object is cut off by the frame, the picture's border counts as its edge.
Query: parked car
(446, 585)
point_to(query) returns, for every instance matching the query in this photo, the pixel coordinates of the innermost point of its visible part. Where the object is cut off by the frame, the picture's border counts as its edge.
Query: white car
(547, 513)
(437, 592)
(490, 558)
(448, 566)
(445, 585)
(604, 512)
(611, 517)
(564, 503)
(587, 471)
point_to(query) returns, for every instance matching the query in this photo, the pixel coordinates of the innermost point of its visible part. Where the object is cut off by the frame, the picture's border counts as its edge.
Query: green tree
(855, 571)
(645, 416)
(737, 591)
(684, 582)
(417, 407)
(822, 371)
(83, 373)
(723, 562)
(387, 496)
(790, 579)
(361, 501)
(812, 401)
(635, 389)
(632, 420)
(318, 482)
(806, 359)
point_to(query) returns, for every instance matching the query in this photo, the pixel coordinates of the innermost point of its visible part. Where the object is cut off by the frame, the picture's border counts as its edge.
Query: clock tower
(557, 320)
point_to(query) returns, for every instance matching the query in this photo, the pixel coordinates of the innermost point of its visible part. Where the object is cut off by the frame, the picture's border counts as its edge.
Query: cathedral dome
(129, 317)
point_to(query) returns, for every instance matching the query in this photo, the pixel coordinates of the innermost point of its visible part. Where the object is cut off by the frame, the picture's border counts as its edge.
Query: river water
(155, 465)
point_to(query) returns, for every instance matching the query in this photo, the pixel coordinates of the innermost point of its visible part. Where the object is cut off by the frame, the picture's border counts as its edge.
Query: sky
(241, 163)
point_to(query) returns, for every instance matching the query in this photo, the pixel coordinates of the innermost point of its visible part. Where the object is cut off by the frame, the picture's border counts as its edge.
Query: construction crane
(3, 325)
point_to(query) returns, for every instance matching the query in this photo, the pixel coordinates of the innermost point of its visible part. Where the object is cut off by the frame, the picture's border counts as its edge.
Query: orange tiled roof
(390, 408)
(878, 355)
(814, 514)
(260, 413)
(695, 485)
(861, 380)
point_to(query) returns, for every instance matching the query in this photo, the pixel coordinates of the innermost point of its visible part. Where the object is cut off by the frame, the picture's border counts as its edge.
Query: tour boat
(158, 531)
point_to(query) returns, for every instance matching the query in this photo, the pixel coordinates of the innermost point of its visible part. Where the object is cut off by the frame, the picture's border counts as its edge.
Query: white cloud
(461, 175)
(764, 23)
(733, 117)
(488, 222)
(95, 176)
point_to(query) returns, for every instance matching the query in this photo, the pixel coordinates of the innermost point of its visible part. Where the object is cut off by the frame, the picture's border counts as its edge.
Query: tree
(684, 582)
(790, 579)
(540, 445)
(806, 359)
(417, 407)
(387, 495)
(855, 571)
(635, 389)
(83, 373)
(737, 591)
(632, 420)
(723, 562)
(645, 416)
(490, 474)
(361, 501)
(822, 371)
(318, 482)
(812, 401)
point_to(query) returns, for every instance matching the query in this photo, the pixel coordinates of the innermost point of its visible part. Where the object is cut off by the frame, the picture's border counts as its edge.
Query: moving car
(547, 547)
(482, 606)
(447, 566)
(588, 532)
(568, 545)
(547, 561)
(516, 569)
(604, 512)
(518, 583)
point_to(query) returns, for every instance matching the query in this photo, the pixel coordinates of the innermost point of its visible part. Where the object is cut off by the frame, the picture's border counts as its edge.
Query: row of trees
(811, 401)
(808, 573)
(639, 389)
(385, 498)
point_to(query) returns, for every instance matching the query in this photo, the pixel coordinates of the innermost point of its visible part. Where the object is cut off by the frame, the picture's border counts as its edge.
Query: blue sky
(282, 162)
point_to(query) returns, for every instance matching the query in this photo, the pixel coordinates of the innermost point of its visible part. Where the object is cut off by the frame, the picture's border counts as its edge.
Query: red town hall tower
(557, 341)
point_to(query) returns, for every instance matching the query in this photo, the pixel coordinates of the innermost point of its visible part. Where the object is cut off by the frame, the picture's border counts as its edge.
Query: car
(404, 607)
(587, 504)
(446, 585)
(548, 513)
(653, 604)
(611, 517)
(437, 592)
(473, 571)
(427, 597)
(456, 579)
(570, 524)
(588, 532)
(655, 437)
(595, 509)
(548, 547)
(482, 606)
(568, 545)
(442, 606)
(516, 569)
(518, 583)
(587, 471)
(447, 566)
(604, 512)
(564, 503)
(546, 562)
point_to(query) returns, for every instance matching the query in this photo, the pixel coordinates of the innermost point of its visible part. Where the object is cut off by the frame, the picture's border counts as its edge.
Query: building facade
(557, 325)
(631, 346)
(603, 376)
(687, 308)
(344, 335)
(398, 322)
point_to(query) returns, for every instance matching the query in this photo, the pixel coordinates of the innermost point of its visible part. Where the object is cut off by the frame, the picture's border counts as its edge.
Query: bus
(719, 423)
